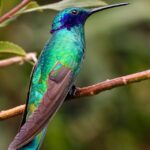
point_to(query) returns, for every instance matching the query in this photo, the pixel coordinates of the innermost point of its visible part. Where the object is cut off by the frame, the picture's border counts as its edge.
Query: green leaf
(8, 48)
(32, 4)
(69, 3)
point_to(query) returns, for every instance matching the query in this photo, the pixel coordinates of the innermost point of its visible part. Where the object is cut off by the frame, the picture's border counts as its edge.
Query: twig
(113, 83)
(88, 91)
(12, 112)
(18, 59)
(14, 10)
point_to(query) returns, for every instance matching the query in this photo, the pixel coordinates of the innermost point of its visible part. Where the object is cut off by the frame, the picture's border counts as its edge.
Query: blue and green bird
(54, 75)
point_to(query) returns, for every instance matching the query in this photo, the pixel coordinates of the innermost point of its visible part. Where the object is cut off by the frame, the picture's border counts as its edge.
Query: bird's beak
(107, 7)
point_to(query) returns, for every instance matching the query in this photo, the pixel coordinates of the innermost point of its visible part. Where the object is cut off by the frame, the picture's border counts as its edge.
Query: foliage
(7, 48)
(68, 3)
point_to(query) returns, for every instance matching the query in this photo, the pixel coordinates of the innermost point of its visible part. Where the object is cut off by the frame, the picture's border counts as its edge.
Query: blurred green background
(118, 43)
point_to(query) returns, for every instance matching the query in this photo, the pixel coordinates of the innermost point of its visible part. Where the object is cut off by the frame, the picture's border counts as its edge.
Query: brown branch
(88, 91)
(113, 83)
(5, 114)
(18, 59)
(14, 11)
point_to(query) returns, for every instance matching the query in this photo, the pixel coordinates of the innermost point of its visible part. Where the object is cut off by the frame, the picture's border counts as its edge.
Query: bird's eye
(74, 12)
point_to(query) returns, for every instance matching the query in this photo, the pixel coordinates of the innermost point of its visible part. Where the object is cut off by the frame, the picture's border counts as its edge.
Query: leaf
(8, 48)
(32, 4)
(69, 3)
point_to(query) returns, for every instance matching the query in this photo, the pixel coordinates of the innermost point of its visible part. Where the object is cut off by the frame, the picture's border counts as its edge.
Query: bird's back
(68, 51)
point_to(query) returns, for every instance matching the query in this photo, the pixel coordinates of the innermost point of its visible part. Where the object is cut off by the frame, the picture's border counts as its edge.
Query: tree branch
(18, 59)
(113, 83)
(13, 11)
(88, 91)
(12, 112)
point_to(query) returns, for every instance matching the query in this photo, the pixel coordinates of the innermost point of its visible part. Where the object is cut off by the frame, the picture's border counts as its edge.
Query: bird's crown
(69, 18)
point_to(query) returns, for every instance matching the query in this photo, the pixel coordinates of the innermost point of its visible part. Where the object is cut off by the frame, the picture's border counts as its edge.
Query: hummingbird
(54, 74)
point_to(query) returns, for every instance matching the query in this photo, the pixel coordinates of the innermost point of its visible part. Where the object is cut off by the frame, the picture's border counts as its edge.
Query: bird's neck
(74, 34)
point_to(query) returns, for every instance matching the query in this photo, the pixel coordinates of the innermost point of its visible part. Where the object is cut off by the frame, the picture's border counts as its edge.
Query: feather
(58, 87)
(27, 100)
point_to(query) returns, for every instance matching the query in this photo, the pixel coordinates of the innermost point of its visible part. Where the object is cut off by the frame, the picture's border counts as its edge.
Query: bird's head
(75, 16)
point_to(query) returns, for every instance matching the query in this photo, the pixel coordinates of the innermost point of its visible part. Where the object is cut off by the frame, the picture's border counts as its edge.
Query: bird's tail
(36, 142)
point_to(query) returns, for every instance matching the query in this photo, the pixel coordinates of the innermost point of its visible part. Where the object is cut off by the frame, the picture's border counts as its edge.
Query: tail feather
(36, 142)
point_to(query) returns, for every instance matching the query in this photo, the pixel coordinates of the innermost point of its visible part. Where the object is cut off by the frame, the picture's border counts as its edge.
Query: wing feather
(27, 100)
(58, 87)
